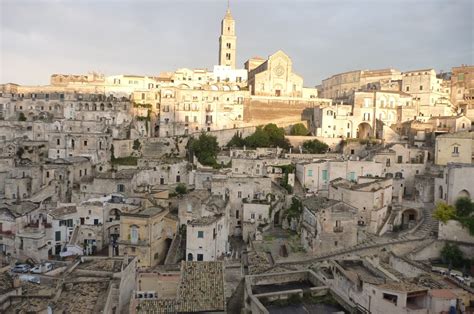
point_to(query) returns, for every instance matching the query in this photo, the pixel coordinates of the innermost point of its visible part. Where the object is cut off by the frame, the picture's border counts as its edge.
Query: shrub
(299, 129)
(315, 147)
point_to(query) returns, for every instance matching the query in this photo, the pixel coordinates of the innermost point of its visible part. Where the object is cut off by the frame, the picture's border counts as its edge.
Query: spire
(228, 15)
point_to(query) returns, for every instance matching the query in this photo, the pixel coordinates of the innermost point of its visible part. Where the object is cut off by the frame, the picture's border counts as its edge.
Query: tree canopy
(464, 206)
(315, 147)
(444, 212)
(451, 254)
(205, 148)
(269, 135)
(299, 129)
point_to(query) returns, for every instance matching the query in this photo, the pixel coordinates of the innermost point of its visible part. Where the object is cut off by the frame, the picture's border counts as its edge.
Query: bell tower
(227, 41)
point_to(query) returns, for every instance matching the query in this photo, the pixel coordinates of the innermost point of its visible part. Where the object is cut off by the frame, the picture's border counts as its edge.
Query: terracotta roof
(443, 294)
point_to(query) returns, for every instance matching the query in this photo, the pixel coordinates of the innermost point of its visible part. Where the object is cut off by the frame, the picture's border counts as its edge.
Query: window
(456, 150)
(421, 87)
(237, 214)
(178, 178)
(58, 141)
(120, 188)
(252, 216)
(390, 298)
(408, 88)
(399, 159)
(310, 173)
(85, 143)
(228, 45)
(200, 257)
(134, 234)
(47, 174)
(201, 234)
(325, 175)
(227, 56)
(96, 221)
(239, 194)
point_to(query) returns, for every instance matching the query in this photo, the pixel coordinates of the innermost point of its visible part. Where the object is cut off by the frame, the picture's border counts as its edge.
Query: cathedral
(273, 77)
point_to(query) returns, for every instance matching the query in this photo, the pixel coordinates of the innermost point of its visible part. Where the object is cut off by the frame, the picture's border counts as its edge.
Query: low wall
(224, 136)
(334, 143)
(452, 230)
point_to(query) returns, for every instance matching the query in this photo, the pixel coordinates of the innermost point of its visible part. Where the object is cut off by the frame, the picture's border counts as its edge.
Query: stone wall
(259, 111)
(452, 230)
(224, 136)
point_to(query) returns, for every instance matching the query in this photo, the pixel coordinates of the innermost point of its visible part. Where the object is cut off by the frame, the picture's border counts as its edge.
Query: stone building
(327, 225)
(212, 107)
(207, 238)
(371, 197)
(462, 90)
(454, 147)
(342, 85)
(425, 87)
(227, 41)
(315, 176)
(456, 181)
(236, 189)
(147, 233)
(275, 77)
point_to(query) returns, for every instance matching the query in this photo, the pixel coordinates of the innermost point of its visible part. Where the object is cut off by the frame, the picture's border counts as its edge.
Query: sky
(146, 37)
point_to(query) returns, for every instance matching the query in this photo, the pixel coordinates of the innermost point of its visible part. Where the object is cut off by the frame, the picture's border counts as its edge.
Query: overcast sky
(146, 37)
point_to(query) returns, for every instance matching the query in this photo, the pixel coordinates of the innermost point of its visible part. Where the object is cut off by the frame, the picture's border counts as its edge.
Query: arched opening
(102, 107)
(190, 257)
(364, 130)
(440, 192)
(114, 214)
(409, 218)
(464, 193)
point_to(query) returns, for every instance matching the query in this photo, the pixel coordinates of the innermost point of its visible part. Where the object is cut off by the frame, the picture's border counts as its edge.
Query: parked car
(440, 270)
(30, 278)
(460, 279)
(455, 273)
(42, 268)
(21, 268)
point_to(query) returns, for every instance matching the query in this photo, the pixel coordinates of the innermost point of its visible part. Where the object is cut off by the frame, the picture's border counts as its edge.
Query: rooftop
(146, 212)
(20, 209)
(316, 203)
(201, 290)
(204, 221)
(63, 211)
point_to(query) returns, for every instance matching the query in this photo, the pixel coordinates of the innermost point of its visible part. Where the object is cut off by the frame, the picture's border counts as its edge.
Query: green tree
(236, 141)
(315, 146)
(451, 254)
(181, 189)
(276, 136)
(21, 117)
(299, 129)
(464, 206)
(259, 138)
(205, 148)
(136, 144)
(444, 212)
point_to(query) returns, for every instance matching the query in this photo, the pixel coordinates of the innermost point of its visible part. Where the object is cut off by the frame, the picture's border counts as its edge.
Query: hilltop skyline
(146, 38)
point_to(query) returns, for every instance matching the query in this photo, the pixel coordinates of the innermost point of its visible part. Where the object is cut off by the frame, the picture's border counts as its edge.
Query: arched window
(190, 257)
(134, 234)
(440, 192)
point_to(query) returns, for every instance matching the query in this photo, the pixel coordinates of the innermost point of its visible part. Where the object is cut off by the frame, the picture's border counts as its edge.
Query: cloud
(42, 37)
